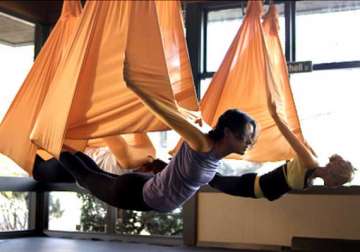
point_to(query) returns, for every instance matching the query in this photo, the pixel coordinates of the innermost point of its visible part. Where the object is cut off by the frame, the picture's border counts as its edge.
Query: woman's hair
(234, 120)
(344, 171)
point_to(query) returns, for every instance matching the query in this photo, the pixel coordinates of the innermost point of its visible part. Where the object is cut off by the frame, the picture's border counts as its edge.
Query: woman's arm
(167, 113)
(305, 154)
(123, 153)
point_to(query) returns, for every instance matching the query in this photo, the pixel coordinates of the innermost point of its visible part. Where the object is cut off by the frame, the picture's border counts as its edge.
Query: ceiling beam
(35, 11)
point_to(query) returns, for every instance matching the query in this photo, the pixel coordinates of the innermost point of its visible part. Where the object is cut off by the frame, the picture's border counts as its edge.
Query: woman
(188, 170)
(194, 165)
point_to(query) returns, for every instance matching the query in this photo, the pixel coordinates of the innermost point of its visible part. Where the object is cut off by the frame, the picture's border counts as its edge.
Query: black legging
(273, 184)
(242, 186)
(53, 171)
(50, 171)
(123, 191)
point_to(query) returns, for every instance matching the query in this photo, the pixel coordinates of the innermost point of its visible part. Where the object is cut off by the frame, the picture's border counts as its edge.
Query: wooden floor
(47, 244)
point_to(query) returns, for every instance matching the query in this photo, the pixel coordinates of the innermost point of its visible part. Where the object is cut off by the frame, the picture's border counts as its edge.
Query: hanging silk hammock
(87, 97)
(19, 120)
(280, 88)
(131, 150)
(253, 69)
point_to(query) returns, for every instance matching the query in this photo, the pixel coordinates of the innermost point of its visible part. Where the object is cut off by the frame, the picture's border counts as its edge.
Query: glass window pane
(164, 142)
(327, 104)
(15, 63)
(70, 211)
(9, 168)
(16, 58)
(204, 85)
(326, 31)
(150, 223)
(14, 211)
(221, 29)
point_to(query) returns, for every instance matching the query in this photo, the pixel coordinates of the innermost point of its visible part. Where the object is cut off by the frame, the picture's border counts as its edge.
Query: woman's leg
(124, 191)
(271, 185)
(53, 171)
(154, 167)
(242, 186)
(50, 171)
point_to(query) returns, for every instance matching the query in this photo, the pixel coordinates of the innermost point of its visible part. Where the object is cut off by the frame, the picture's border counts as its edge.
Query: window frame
(200, 73)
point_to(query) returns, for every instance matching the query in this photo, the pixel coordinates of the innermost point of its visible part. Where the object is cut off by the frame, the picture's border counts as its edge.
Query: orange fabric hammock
(19, 120)
(89, 95)
(131, 150)
(86, 96)
(253, 69)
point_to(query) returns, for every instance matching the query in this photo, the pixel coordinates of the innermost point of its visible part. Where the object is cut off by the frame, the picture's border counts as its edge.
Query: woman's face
(241, 143)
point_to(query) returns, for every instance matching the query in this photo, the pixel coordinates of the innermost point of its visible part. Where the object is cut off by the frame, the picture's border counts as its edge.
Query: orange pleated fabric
(138, 146)
(112, 44)
(19, 120)
(89, 95)
(253, 69)
(176, 53)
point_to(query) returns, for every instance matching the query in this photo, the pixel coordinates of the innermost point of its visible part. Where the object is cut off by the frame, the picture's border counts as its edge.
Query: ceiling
(18, 19)
(15, 32)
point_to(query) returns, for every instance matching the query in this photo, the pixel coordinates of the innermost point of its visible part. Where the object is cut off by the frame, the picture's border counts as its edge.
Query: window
(17, 54)
(81, 212)
(222, 27)
(15, 63)
(326, 100)
(204, 84)
(327, 104)
(70, 211)
(14, 211)
(327, 31)
(149, 223)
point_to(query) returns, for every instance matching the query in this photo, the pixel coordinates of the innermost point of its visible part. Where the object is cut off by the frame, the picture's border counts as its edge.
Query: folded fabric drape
(89, 95)
(254, 69)
(85, 95)
(77, 92)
